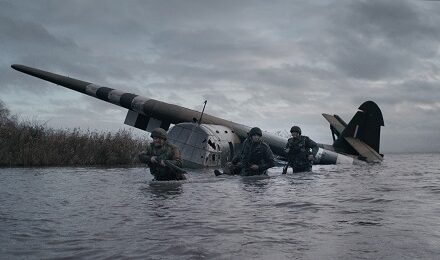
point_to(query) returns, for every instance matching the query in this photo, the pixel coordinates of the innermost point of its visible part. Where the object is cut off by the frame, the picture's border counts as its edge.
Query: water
(387, 211)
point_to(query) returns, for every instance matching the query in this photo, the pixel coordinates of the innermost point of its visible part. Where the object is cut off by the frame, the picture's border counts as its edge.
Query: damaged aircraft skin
(214, 141)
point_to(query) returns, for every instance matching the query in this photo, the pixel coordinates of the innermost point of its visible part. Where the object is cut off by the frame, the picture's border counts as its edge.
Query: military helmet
(255, 131)
(160, 133)
(295, 129)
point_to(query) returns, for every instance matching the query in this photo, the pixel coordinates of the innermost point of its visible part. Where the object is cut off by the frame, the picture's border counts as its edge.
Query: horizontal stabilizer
(334, 123)
(364, 150)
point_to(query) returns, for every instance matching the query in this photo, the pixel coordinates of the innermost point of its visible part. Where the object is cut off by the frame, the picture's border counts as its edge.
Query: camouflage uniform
(258, 153)
(298, 150)
(168, 152)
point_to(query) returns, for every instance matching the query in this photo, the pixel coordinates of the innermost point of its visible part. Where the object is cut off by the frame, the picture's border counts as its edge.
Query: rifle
(174, 167)
(172, 172)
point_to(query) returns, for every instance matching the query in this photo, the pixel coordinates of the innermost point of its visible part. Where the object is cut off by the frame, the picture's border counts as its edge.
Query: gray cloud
(383, 39)
(260, 63)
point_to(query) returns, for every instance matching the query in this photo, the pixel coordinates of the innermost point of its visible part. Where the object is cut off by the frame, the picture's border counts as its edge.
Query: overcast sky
(270, 64)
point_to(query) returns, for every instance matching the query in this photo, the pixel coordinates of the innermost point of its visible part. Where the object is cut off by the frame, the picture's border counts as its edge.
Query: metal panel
(131, 117)
(153, 123)
(334, 122)
(135, 119)
(364, 150)
(203, 145)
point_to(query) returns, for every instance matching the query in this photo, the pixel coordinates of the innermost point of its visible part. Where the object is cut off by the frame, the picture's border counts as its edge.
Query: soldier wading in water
(298, 150)
(163, 158)
(254, 159)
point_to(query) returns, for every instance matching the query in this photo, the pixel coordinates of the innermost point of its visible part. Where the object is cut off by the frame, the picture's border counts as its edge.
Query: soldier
(256, 156)
(298, 149)
(163, 158)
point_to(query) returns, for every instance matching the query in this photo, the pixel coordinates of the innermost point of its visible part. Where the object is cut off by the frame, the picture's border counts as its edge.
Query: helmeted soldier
(255, 157)
(299, 150)
(163, 158)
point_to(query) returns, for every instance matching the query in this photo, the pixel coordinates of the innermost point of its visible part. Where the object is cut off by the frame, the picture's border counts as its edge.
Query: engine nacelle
(204, 145)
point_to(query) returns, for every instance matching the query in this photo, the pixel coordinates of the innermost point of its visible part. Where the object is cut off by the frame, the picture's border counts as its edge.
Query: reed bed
(26, 144)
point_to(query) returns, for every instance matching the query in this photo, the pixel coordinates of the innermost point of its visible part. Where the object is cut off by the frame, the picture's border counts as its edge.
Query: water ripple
(386, 211)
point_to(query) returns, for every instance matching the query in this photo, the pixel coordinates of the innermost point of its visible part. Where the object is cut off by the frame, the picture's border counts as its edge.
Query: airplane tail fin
(361, 136)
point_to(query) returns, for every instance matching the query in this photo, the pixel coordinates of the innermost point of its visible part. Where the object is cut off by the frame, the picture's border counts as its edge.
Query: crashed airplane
(209, 141)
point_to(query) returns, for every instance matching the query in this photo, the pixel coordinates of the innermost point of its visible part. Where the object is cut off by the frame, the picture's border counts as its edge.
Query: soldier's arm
(311, 144)
(176, 158)
(268, 161)
(145, 156)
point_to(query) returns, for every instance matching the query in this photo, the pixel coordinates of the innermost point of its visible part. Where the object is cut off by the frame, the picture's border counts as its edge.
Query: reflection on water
(165, 189)
(254, 183)
(386, 211)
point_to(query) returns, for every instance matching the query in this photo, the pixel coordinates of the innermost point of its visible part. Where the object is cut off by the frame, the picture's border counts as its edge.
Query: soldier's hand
(311, 157)
(153, 159)
(287, 150)
(162, 162)
(254, 167)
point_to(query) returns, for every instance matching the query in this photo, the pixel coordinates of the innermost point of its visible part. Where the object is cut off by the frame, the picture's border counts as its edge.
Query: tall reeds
(24, 143)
